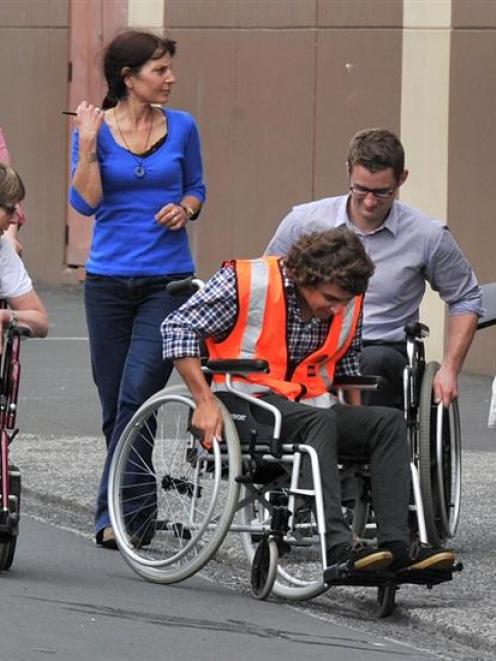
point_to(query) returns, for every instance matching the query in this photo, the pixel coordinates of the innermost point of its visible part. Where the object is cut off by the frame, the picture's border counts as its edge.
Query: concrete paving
(60, 452)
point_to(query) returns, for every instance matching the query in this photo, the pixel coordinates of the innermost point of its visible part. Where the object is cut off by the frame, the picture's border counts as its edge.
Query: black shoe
(106, 539)
(416, 557)
(363, 556)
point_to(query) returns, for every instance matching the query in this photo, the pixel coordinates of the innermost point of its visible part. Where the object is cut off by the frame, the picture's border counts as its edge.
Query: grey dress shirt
(408, 249)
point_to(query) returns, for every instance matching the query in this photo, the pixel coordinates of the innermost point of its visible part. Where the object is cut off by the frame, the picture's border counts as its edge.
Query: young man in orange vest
(302, 314)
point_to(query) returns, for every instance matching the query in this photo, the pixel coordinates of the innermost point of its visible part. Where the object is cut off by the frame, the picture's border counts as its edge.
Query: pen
(69, 112)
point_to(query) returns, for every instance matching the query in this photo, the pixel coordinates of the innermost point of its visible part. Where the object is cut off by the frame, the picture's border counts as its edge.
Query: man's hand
(207, 422)
(445, 385)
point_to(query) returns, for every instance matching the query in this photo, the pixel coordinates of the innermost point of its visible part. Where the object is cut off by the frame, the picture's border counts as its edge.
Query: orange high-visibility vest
(260, 332)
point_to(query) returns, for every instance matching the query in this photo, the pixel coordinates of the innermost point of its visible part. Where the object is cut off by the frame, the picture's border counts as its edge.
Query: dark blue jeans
(124, 316)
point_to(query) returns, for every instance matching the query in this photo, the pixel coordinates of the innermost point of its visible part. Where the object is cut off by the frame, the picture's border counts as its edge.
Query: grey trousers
(375, 432)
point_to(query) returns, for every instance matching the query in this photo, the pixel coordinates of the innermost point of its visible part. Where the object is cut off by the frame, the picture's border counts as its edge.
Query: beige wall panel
(256, 124)
(358, 86)
(424, 133)
(36, 134)
(200, 13)
(24, 13)
(474, 13)
(472, 136)
(360, 13)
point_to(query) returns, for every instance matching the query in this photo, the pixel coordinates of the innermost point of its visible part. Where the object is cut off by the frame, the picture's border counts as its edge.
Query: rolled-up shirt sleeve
(449, 273)
(210, 313)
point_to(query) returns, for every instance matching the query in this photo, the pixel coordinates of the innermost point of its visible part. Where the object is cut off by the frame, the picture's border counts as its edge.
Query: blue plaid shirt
(212, 312)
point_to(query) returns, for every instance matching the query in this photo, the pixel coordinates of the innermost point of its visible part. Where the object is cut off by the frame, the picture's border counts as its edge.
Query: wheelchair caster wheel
(264, 568)
(386, 598)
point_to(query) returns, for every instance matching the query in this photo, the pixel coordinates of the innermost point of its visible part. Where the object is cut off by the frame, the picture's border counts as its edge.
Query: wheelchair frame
(180, 535)
(10, 477)
(434, 438)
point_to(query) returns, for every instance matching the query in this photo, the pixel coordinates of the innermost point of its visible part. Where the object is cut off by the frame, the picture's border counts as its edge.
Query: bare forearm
(29, 311)
(207, 419)
(192, 375)
(87, 180)
(461, 331)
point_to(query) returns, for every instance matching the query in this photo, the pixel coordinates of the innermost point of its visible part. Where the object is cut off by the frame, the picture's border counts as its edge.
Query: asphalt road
(60, 452)
(65, 599)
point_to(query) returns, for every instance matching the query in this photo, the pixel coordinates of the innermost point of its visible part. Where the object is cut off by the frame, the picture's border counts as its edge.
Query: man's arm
(29, 311)
(211, 312)
(207, 418)
(286, 234)
(461, 331)
(450, 273)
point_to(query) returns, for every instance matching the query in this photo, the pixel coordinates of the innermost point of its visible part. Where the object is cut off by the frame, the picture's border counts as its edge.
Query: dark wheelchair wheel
(264, 568)
(386, 598)
(439, 462)
(8, 541)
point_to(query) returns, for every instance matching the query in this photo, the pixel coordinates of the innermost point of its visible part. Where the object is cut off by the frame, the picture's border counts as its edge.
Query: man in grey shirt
(408, 249)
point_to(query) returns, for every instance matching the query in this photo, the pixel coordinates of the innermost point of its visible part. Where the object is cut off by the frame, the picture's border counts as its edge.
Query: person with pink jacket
(11, 233)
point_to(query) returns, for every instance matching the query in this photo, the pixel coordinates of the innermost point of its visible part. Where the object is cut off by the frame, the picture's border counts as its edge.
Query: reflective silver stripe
(346, 327)
(256, 308)
(347, 323)
(324, 374)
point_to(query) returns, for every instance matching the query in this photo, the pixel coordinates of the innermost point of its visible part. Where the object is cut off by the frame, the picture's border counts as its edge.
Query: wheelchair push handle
(416, 330)
(186, 286)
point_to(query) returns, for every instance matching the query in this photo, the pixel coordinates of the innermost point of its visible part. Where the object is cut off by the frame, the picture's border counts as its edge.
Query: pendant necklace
(139, 170)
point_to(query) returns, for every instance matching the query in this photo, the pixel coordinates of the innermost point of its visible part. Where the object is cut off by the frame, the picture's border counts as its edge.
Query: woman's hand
(89, 119)
(172, 216)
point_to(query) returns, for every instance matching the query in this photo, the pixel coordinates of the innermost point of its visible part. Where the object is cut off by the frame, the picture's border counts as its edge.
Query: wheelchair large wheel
(8, 541)
(299, 569)
(439, 462)
(170, 501)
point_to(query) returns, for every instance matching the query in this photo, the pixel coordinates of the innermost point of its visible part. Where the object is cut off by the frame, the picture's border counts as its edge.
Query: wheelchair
(172, 502)
(10, 477)
(434, 439)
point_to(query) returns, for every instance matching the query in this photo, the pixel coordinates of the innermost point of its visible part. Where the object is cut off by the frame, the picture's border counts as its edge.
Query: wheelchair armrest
(237, 366)
(416, 330)
(358, 383)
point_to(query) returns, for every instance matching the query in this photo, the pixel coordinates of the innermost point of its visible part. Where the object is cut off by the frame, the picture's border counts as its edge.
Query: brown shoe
(363, 556)
(420, 558)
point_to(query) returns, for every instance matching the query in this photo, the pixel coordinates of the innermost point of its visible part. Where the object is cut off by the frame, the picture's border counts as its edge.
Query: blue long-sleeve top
(127, 240)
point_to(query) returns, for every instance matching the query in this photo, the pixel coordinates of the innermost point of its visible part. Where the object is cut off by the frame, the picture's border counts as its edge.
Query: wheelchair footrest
(344, 574)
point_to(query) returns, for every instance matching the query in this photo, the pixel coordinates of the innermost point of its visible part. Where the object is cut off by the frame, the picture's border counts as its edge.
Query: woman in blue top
(137, 167)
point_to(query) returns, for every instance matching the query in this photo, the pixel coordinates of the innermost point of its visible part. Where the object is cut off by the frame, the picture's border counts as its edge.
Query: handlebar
(187, 286)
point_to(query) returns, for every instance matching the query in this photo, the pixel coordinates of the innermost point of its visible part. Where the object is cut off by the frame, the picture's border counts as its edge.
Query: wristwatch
(188, 211)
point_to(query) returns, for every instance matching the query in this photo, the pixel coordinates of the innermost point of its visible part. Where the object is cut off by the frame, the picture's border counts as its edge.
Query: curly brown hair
(335, 256)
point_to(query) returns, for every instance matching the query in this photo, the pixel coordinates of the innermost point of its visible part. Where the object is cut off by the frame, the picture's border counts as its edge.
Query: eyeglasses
(379, 193)
(9, 209)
